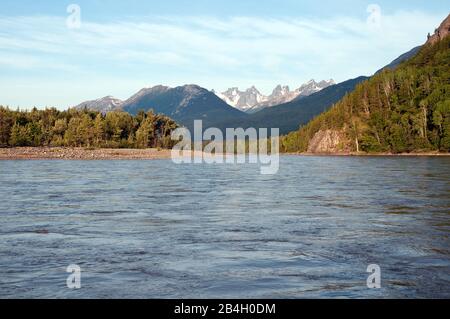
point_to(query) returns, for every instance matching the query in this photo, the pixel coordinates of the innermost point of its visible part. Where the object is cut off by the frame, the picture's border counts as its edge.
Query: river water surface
(153, 229)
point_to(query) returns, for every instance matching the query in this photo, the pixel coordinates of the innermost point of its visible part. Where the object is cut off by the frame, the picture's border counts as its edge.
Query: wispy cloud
(210, 51)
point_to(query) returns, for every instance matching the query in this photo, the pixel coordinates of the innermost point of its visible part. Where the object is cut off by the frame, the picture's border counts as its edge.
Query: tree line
(84, 128)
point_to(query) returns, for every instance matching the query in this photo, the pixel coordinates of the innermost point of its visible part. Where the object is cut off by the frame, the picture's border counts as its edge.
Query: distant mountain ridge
(103, 105)
(184, 104)
(289, 116)
(146, 92)
(402, 58)
(189, 102)
(252, 100)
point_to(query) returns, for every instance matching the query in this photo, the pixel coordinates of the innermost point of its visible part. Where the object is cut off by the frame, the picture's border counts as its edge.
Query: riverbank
(77, 153)
(361, 154)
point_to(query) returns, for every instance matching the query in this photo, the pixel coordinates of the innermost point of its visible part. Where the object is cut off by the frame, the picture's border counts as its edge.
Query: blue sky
(122, 46)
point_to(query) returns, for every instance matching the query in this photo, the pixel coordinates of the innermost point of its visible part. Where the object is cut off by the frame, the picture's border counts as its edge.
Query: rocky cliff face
(328, 141)
(441, 32)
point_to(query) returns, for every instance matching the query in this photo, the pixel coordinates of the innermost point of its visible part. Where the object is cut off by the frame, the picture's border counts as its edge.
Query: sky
(61, 53)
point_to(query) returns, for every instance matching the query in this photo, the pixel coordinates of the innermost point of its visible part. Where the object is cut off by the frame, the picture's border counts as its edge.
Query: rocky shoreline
(69, 153)
(75, 153)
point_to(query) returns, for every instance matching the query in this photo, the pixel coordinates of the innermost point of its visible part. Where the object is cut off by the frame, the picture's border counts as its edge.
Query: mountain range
(252, 101)
(184, 104)
(284, 108)
(289, 116)
(187, 103)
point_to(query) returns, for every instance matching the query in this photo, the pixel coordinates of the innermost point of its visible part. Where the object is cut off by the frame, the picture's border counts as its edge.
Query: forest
(84, 128)
(404, 110)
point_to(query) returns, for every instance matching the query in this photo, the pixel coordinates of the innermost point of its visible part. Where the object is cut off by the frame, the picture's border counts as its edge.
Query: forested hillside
(83, 128)
(405, 110)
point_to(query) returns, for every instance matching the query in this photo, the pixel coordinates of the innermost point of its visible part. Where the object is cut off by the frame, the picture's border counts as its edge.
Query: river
(154, 229)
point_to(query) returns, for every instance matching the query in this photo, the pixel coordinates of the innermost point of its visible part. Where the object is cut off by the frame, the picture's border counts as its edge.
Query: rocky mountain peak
(192, 89)
(441, 32)
(232, 91)
(252, 100)
(158, 89)
(312, 87)
(104, 104)
(253, 89)
(280, 90)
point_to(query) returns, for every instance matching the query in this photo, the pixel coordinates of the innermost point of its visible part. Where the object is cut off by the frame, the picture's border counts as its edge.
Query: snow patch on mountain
(251, 100)
(104, 104)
